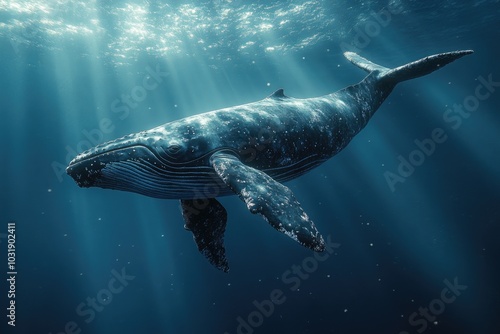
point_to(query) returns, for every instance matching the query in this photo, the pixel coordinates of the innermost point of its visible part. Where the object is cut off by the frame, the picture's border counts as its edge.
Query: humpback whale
(247, 150)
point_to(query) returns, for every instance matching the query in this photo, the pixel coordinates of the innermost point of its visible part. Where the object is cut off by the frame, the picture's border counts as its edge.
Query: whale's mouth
(89, 168)
(141, 169)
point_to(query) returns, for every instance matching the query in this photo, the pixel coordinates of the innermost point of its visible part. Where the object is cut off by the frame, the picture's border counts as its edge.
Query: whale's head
(159, 163)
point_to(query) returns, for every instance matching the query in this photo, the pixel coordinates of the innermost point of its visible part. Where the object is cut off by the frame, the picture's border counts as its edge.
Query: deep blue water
(64, 68)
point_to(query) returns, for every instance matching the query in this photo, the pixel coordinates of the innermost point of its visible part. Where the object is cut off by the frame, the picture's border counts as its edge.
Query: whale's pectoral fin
(206, 219)
(269, 198)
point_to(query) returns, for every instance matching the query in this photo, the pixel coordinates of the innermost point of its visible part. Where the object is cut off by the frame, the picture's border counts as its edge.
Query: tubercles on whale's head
(164, 162)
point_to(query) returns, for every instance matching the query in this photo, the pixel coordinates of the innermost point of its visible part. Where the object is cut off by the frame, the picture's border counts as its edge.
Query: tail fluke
(409, 71)
(364, 63)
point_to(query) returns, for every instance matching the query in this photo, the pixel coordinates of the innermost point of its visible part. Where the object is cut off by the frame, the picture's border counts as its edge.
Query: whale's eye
(174, 149)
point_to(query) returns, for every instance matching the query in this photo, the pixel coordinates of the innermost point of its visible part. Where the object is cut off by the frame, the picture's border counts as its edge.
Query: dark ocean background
(65, 66)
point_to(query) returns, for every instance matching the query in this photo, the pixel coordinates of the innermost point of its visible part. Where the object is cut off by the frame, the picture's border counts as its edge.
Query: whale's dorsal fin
(279, 94)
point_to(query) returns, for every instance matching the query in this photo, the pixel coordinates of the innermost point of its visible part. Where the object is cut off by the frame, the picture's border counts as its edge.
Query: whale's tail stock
(409, 71)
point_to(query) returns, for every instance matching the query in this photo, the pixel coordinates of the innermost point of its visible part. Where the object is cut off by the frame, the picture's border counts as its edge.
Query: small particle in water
(49, 190)
(328, 275)
(268, 84)
(371, 244)
(99, 218)
(162, 235)
(175, 105)
(435, 322)
(303, 58)
(367, 223)
(345, 310)
(65, 234)
(228, 284)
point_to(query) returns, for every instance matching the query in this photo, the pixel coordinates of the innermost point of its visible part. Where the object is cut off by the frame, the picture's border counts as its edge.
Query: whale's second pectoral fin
(206, 219)
(269, 198)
